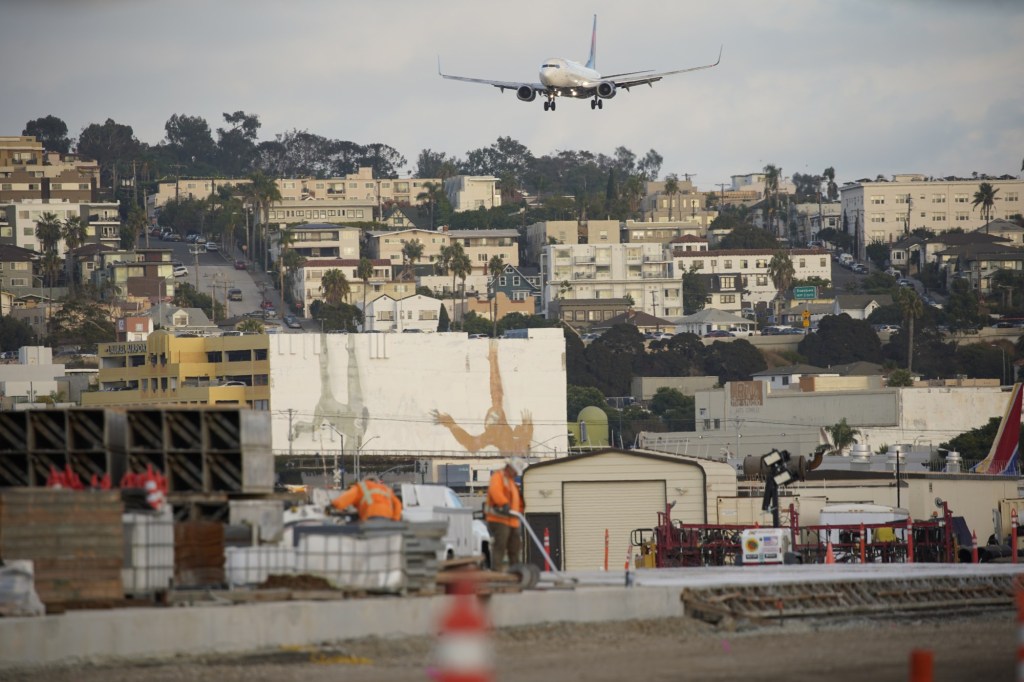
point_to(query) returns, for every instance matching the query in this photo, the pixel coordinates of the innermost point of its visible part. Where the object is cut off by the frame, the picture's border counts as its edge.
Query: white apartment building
(472, 192)
(412, 313)
(18, 224)
(321, 240)
(750, 267)
(642, 272)
(886, 211)
(539, 235)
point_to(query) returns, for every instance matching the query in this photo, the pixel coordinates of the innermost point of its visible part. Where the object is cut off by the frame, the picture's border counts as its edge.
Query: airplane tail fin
(1004, 455)
(593, 46)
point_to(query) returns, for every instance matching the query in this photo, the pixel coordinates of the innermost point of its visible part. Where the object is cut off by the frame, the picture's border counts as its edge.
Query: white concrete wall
(382, 391)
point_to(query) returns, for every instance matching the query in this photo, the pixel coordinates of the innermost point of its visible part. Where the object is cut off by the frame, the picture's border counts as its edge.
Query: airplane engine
(526, 93)
(606, 90)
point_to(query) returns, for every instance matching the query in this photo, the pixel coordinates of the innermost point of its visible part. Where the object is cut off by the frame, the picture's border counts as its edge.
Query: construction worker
(372, 499)
(503, 497)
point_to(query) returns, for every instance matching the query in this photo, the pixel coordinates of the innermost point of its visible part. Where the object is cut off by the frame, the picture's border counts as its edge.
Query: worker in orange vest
(372, 499)
(503, 497)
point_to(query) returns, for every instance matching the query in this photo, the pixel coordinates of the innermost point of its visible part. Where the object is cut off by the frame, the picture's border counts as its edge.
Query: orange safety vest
(503, 493)
(372, 500)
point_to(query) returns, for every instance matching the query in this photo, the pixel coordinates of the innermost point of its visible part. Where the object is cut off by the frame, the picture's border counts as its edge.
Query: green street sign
(805, 293)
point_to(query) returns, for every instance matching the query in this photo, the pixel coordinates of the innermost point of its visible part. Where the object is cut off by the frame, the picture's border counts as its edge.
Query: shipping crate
(75, 539)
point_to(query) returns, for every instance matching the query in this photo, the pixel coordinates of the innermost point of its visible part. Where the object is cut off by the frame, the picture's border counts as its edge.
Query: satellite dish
(939, 502)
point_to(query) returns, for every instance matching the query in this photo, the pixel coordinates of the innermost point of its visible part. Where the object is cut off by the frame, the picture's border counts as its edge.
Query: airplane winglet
(439, 65)
(719, 55)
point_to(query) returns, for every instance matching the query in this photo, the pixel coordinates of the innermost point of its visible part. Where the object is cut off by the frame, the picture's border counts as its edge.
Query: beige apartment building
(388, 245)
(637, 232)
(642, 272)
(321, 240)
(18, 221)
(548, 232)
(884, 212)
(308, 278)
(482, 245)
(472, 192)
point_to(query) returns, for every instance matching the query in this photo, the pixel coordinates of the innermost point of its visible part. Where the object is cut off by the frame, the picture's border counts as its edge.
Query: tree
(291, 261)
(431, 164)
(579, 397)
(771, 194)
(831, 188)
(841, 339)
(15, 333)
(51, 131)
(250, 325)
(695, 291)
(285, 238)
(843, 436)
(899, 378)
(963, 310)
(432, 192)
(495, 267)
(781, 272)
(137, 222)
(190, 141)
(48, 232)
(671, 189)
(878, 253)
(80, 321)
(676, 410)
(264, 193)
(412, 251)
(911, 307)
(74, 233)
(986, 198)
(612, 358)
(111, 145)
(236, 146)
(733, 361)
(444, 323)
(335, 287)
(187, 296)
(747, 236)
(341, 316)
(974, 445)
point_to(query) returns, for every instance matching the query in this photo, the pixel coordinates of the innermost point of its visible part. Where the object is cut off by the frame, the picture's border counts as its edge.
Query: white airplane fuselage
(565, 73)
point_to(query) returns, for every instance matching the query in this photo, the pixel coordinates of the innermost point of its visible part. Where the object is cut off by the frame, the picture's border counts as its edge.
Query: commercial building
(177, 370)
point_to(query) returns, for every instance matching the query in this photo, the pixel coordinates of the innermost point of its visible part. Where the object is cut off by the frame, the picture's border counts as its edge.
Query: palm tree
(912, 308)
(74, 233)
(250, 325)
(412, 251)
(432, 192)
(843, 436)
(461, 266)
(137, 222)
(671, 189)
(335, 287)
(986, 198)
(771, 193)
(495, 266)
(831, 188)
(48, 232)
(781, 272)
(285, 238)
(265, 193)
(365, 271)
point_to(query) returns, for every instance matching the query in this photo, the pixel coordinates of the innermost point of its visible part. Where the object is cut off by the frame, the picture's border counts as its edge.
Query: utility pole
(721, 194)
(290, 411)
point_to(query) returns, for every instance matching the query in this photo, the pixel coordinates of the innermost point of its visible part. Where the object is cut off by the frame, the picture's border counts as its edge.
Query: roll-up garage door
(620, 506)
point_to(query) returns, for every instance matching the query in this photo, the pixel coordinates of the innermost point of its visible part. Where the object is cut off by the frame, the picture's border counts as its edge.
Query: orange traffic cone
(830, 557)
(974, 547)
(464, 652)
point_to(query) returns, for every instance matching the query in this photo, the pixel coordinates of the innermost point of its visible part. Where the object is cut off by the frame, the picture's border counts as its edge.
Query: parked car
(196, 250)
(234, 294)
(180, 271)
(773, 330)
(795, 330)
(887, 328)
(718, 334)
(267, 304)
(239, 265)
(291, 322)
(211, 246)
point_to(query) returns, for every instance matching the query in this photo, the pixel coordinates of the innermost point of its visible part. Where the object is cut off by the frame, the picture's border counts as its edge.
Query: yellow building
(165, 369)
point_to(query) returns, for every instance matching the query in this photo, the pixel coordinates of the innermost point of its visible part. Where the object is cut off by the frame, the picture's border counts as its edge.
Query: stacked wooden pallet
(75, 540)
(198, 553)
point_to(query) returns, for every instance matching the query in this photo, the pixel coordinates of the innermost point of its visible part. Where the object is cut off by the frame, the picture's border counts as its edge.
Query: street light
(1002, 362)
(359, 450)
(337, 471)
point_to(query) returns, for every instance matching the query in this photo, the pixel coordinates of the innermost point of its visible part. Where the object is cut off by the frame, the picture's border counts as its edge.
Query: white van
(466, 536)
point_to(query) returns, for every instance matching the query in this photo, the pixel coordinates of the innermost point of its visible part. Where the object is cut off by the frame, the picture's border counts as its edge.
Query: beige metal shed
(577, 498)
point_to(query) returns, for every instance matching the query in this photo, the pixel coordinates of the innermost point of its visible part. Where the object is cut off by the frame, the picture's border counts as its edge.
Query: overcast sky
(866, 86)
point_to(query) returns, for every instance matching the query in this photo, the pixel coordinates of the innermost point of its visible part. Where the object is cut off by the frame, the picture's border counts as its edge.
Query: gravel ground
(979, 646)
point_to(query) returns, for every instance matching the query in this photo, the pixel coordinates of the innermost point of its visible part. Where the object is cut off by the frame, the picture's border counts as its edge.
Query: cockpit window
(551, 66)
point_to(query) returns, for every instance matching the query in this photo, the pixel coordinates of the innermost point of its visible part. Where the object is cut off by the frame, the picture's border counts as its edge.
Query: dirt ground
(966, 647)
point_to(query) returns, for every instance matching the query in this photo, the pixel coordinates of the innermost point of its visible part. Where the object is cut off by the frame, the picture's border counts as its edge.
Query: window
(902, 198)
(761, 263)
(803, 262)
(260, 354)
(728, 298)
(744, 264)
(822, 262)
(762, 280)
(877, 199)
(938, 198)
(502, 281)
(698, 265)
(728, 282)
(515, 280)
(386, 316)
(962, 216)
(727, 264)
(938, 217)
(1012, 196)
(878, 217)
(960, 198)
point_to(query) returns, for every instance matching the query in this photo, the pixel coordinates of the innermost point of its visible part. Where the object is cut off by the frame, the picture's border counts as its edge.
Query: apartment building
(640, 232)
(411, 313)
(307, 280)
(813, 218)
(686, 205)
(745, 271)
(472, 192)
(883, 212)
(188, 188)
(539, 235)
(145, 274)
(166, 370)
(18, 225)
(641, 272)
(387, 245)
(482, 245)
(321, 240)
(15, 266)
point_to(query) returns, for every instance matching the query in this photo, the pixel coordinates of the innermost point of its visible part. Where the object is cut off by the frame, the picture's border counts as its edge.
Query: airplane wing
(651, 78)
(501, 85)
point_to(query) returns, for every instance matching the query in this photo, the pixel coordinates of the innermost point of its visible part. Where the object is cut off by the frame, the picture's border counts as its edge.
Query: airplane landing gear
(549, 105)
(596, 104)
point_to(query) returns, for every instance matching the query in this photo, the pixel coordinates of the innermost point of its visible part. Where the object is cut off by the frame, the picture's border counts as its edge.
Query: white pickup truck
(466, 536)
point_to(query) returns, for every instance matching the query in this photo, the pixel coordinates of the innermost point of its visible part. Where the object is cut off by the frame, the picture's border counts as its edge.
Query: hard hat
(518, 464)
(372, 477)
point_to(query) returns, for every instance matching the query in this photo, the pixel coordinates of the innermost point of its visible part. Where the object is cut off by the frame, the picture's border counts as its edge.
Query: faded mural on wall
(441, 393)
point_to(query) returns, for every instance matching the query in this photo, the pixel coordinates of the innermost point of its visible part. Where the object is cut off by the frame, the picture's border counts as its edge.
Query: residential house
(404, 217)
(859, 306)
(794, 315)
(664, 232)
(978, 263)
(412, 313)
(178, 320)
(134, 328)
(724, 291)
(482, 245)
(711, 319)
(643, 322)
(658, 205)
(937, 249)
(34, 376)
(784, 378)
(15, 266)
(519, 284)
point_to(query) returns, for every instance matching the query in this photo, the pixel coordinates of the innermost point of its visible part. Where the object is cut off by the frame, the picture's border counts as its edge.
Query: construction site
(153, 543)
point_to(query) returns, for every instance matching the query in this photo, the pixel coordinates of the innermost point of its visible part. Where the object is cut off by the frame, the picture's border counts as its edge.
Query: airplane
(566, 78)
(1004, 455)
